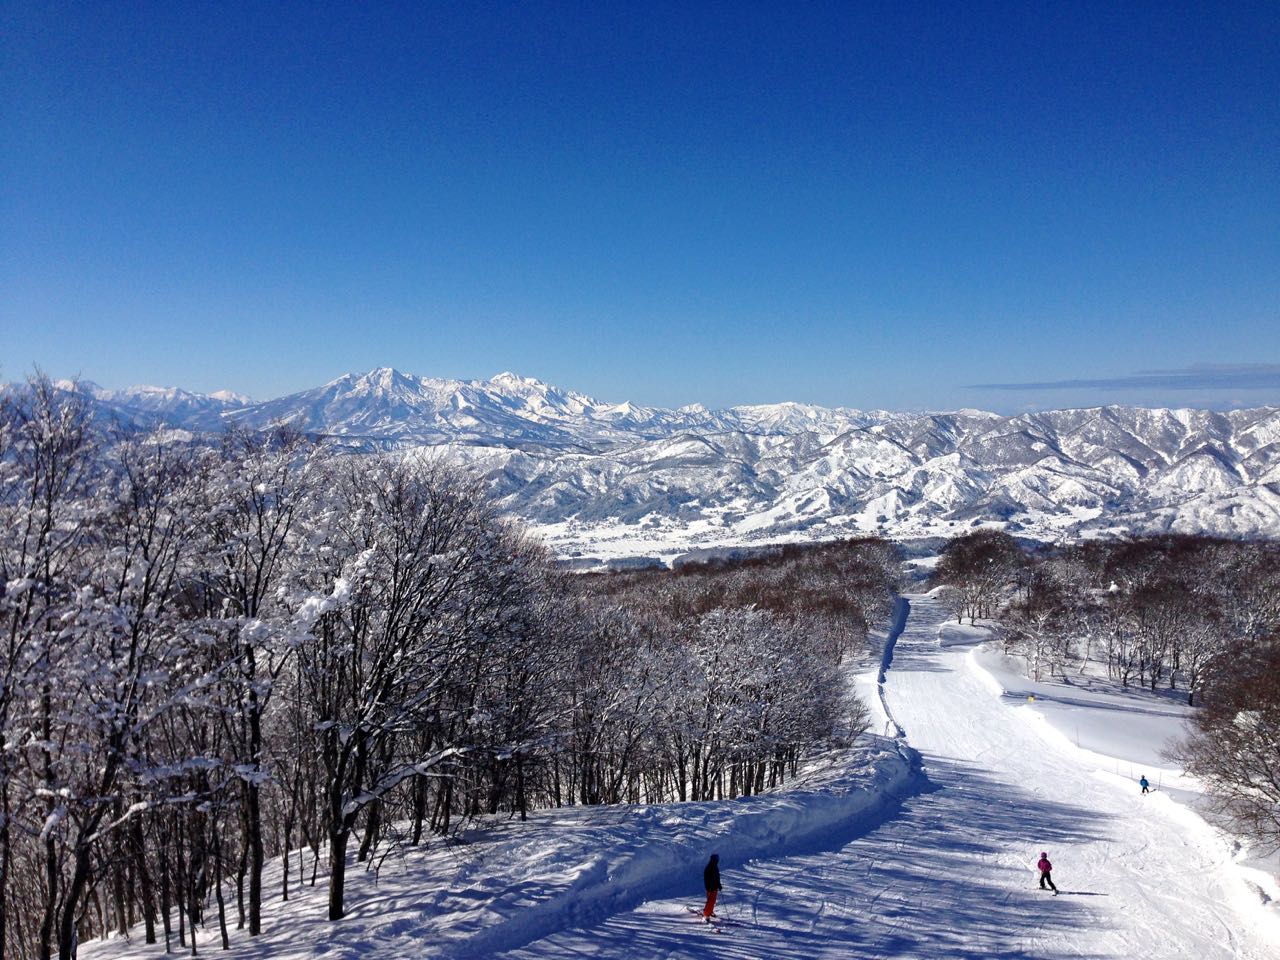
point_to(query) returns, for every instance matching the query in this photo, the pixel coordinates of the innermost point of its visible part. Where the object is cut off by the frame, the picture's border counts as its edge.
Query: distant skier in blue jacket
(1145, 784)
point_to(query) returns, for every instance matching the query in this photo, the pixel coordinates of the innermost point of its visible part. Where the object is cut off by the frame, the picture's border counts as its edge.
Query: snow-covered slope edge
(1256, 891)
(658, 852)
(508, 884)
(829, 806)
(901, 610)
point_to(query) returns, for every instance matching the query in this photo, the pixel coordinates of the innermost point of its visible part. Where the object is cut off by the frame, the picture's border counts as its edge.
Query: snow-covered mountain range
(617, 478)
(152, 406)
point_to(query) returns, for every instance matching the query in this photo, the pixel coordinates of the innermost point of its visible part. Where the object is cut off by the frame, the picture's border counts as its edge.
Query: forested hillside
(219, 652)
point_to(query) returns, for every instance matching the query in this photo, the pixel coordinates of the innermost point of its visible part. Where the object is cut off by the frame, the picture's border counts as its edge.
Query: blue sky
(873, 205)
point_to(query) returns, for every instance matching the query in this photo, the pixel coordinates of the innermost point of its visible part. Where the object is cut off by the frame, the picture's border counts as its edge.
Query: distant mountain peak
(575, 465)
(231, 397)
(507, 377)
(386, 376)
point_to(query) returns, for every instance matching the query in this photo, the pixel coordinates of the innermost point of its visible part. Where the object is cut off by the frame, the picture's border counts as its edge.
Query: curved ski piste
(951, 875)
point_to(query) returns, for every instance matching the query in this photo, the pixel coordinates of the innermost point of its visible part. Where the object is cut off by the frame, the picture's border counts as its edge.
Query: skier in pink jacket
(1046, 868)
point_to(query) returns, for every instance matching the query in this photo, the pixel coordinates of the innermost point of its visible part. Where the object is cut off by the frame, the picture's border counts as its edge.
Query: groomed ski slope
(951, 874)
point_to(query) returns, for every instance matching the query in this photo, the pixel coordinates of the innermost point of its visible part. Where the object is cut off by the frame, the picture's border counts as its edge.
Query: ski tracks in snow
(951, 873)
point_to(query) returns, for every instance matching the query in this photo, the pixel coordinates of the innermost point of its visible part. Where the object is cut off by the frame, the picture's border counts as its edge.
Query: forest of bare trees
(229, 651)
(1154, 611)
(1194, 614)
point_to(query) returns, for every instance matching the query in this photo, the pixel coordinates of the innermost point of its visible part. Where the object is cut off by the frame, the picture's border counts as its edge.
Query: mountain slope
(600, 477)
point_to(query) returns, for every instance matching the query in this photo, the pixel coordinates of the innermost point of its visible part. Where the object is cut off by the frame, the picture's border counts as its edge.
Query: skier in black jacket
(711, 880)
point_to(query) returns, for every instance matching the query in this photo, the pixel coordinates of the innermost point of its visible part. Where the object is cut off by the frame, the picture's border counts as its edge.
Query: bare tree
(1236, 745)
(1039, 627)
(255, 496)
(978, 570)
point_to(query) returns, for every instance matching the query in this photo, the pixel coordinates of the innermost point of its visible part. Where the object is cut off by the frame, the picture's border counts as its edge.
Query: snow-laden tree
(1235, 748)
(519, 700)
(258, 492)
(417, 586)
(748, 655)
(223, 651)
(750, 697)
(1245, 579)
(618, 685)
(118, 663)
(50, 468)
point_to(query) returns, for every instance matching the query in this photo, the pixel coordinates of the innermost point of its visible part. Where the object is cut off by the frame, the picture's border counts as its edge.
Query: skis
(717, 924)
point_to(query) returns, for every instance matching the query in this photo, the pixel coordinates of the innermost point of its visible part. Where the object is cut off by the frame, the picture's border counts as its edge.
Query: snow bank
(508, 883)
(1121, 730)
(952, 634)
(901, 610)
(659, 851)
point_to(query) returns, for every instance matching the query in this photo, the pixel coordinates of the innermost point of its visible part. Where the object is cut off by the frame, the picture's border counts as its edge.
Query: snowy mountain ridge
(145, 406)
(620, 478)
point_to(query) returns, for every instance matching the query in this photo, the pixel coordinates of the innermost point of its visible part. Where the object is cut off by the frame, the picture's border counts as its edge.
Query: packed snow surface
(920, 851)
(952, 874)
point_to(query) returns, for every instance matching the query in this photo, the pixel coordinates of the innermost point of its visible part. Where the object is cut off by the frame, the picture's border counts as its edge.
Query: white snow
(623, 480)
(951, 874)
(1130, 729)
(836, 866)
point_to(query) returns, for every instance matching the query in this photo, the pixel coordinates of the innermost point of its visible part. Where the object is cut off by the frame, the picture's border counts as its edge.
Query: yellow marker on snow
(1030, 697)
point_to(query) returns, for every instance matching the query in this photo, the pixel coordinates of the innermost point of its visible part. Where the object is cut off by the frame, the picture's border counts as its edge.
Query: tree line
(754, 648)
(1195, 614)
(221, 651)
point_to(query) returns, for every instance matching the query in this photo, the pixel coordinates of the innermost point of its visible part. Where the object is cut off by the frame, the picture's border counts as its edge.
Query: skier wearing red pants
(711, 880)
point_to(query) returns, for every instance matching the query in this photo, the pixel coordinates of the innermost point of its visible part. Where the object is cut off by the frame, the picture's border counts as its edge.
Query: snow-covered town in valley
(875, 554)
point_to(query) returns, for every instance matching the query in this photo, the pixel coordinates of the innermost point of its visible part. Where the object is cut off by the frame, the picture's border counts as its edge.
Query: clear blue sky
(872, 205)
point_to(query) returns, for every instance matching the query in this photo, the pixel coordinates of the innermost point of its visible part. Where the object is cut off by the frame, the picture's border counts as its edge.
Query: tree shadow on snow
(946, 875)
(912, 889)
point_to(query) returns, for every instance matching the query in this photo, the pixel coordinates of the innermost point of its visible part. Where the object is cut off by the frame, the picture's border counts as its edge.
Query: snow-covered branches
(978, 570)
(217, 652)
(399, 666)
(738, 675)
(1235, 748)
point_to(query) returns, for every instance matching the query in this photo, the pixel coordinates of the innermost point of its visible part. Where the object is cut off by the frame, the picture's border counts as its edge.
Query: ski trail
(951, 874)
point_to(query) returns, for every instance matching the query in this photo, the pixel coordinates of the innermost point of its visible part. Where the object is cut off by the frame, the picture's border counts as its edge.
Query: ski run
(920, 846)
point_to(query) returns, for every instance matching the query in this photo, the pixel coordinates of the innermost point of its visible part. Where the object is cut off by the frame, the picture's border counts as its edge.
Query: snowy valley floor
(880, 860)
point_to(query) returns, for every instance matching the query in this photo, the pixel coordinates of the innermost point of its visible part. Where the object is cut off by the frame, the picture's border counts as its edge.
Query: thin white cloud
(1200, 376)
